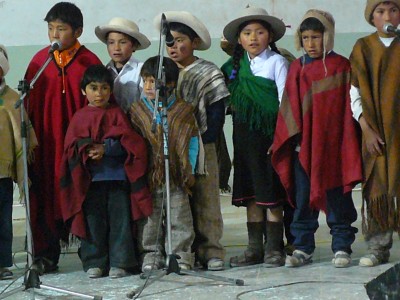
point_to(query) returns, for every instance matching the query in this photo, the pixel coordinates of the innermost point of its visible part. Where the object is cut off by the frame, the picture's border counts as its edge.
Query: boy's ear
(196, 43)
(83, 92)
(78, 32)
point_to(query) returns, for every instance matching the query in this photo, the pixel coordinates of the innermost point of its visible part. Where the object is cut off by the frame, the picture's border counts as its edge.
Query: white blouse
(271, 65)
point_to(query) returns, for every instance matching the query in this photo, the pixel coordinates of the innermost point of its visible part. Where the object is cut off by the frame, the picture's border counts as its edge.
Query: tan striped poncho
(11, 156)
(376, 72)
(201, 84)
(181, 128)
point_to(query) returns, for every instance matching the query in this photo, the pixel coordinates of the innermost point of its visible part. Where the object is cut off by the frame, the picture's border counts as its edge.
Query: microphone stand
(171, 263)
(31, 279)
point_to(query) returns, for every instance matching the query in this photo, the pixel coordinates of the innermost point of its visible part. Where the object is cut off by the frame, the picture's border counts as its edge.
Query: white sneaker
(298, 259)
(95, 272)
(342, 259)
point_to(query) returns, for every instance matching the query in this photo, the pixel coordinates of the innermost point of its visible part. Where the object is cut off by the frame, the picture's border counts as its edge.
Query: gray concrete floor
(319, 280)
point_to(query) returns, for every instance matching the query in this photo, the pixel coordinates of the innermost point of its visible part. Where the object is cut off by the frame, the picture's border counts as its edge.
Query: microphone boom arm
(25, 88)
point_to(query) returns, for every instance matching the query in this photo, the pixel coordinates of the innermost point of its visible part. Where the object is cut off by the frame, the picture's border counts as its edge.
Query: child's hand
(96, 151)
(373, 141)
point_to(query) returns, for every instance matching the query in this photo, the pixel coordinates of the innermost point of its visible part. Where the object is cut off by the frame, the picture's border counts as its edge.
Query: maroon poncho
(93, 125)
(50, 111)
(315, 113)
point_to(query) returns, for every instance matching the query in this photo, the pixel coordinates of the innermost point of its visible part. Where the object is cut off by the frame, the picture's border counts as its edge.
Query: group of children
(99, 169)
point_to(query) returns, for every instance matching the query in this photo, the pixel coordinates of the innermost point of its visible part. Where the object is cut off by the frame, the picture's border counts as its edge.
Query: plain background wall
(23, 30)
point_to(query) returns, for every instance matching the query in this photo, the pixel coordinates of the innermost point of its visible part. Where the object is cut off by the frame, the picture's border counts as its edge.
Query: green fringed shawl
(253, 99)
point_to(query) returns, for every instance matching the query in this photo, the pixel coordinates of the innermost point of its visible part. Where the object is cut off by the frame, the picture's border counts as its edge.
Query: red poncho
(315, 113)
(50, 111)
(93, 125)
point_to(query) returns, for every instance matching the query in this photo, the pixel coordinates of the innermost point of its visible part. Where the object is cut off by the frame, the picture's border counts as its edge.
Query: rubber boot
(255, 250)
(274, 255)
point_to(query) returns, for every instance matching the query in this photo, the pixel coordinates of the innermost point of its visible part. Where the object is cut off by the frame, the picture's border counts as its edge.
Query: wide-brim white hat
(125, 26)
(250, 14)
(189, 20)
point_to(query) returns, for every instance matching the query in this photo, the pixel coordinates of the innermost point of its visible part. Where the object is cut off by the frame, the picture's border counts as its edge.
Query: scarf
(64, 57)
(254, 99)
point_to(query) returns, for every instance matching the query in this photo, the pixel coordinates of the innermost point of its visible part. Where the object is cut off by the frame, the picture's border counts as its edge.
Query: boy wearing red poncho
(316, 149)
(53, 100)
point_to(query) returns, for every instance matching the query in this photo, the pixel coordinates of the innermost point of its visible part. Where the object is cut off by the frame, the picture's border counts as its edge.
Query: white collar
(387, 41)
(260, 58)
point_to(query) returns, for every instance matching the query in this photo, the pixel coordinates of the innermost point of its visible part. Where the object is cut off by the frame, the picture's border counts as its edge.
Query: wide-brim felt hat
(253, 14)
(370, 7)
(124, 26)
(189, 20)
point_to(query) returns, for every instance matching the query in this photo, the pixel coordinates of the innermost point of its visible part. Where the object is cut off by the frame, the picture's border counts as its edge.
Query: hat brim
(189, 20)
(277, 25)
(102, 31)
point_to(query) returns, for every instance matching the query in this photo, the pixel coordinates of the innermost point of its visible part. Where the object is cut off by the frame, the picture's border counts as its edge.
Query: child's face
(149, 87)
(63, 32)
(97, 93)
(254, 38)
(385, 12)
(120, 48)
(313, 43)
(182, 50)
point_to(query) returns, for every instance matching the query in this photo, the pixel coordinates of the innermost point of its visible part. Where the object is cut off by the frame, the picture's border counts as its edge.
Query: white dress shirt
(128, 84)
(271, 65)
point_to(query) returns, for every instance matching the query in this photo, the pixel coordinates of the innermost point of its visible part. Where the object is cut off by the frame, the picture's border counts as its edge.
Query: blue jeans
(6, 231)
(109, 242)
(340, 214)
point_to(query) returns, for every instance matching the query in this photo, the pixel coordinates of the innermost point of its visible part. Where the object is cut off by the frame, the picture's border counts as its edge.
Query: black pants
(6, 231)
(109, 240)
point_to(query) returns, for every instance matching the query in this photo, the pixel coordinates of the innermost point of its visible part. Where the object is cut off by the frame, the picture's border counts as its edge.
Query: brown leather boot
(274, 255)
(255, 251)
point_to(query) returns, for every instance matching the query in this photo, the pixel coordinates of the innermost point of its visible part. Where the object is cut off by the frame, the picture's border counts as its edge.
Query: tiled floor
(319, 280)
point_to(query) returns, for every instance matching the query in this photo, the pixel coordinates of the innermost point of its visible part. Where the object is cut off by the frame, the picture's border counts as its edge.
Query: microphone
(169, 39)
(55, 45)
(389, 28)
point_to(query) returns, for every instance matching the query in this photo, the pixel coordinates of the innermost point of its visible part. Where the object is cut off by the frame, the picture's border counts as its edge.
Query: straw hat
(4, 65)
(252, 14)
(125, 26)
(329, 24)
(189, 20)
(370, 7)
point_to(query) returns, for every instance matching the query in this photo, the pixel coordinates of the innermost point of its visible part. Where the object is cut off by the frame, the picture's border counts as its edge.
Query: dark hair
(66, 12)
(97, 73)
(134, 41)
(150, 68)
(238, 51)
(312, 24)
(183, 29)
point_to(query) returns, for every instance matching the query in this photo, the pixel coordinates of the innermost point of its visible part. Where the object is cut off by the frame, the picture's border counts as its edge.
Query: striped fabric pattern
(201, 84)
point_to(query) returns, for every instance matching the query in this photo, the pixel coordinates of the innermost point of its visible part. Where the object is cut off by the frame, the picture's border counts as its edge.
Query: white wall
(22, 20)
